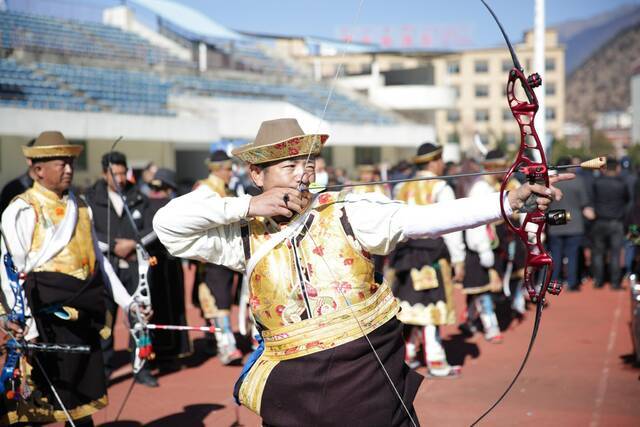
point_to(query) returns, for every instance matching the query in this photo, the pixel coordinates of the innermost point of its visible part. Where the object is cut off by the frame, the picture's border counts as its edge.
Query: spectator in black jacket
(566, 240)
(18, 185)
(610, 199)
(118, 236)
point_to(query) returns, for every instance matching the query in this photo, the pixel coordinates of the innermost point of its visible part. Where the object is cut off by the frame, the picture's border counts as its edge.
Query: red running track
(579, 374)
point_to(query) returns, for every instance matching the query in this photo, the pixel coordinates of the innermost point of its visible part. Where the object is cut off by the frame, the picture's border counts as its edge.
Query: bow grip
(530, 205)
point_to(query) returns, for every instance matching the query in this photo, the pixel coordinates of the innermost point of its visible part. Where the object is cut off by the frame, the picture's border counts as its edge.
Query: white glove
(487, 259)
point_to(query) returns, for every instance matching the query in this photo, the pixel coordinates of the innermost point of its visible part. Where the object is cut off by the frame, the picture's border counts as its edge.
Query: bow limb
(538, 263)
(302, 186)
(142, 295)
(360, 326)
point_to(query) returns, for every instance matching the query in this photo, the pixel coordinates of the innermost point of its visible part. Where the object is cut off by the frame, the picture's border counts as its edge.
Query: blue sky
(423, 23)
(464, 22)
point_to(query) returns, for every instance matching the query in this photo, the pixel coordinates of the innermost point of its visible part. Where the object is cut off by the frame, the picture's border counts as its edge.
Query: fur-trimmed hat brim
(424, 158)
(43, 152)
(301, 145)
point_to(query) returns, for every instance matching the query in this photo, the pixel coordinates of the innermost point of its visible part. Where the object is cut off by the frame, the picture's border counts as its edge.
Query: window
(482, 91)
(453, 116)
(550, 64)
(368, 155)
(550, 113)
(484, 138)
(456, 91)
(327, 155)
(453, 67)
(453, 138)
(507, 65)
(482, 115)
(511, 138)
(506, 114)
(550, 89)
(80, 163)
(481, 66)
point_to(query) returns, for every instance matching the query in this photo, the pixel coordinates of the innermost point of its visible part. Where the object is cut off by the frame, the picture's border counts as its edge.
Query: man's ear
(257, 175)
(38, 169)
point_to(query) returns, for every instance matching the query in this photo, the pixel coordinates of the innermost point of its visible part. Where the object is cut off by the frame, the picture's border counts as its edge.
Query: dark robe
(167, 297)
(78, 378)
(344, 385)
(414, 254)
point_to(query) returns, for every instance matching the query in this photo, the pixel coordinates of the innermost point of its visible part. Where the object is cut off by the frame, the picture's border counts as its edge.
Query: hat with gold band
(427, 152)
(367, 169)
(279, 140)
(51, 144)
(217, 160)
(495, 159)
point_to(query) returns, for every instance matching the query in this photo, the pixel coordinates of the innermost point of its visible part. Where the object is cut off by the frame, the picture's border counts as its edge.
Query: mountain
(601, 83)
(584, 37)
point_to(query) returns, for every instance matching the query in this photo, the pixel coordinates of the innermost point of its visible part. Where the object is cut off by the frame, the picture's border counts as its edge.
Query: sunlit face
(367, 175)
(435, 166)
(55, 174)
(149, 173)
(118, 175)
(495, 167)
(287, 173)
(224, 172)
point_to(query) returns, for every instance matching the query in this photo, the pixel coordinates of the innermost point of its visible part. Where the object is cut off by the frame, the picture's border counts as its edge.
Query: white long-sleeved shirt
(477, 238)
(206, 227)
(18, 224)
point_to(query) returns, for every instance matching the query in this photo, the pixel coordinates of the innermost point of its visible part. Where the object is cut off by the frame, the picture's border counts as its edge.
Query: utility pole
(539, 66)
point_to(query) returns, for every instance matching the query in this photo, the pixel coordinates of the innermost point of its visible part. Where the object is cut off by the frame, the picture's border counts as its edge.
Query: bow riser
(142, 295)
(535, 222)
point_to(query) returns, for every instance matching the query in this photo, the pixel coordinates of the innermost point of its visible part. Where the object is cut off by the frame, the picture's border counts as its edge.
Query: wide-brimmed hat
(164, 178)
(278, 140)
(427, 152)
(367, 168)
(51, 144)
(217, 159)
(495, 159)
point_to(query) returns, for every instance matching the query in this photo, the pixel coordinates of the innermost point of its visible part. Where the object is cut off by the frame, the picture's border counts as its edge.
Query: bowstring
(126, 315)
(364, 334)
(534, 334)
(301, 188)
(332, 86)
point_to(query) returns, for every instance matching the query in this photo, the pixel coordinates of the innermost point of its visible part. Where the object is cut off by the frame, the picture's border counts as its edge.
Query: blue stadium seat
(33, 32)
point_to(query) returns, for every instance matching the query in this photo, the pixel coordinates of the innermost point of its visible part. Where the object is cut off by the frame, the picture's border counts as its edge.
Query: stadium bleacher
(91, 88)
(129, 92)
(71, 37)
(21, 87)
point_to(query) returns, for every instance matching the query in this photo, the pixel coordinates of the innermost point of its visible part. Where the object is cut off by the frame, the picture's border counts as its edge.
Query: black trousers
(608, 237)
(77, 378)
(344, 386)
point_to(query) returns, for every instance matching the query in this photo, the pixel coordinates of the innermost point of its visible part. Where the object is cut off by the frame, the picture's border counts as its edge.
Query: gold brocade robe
(426, 293)
(419, 192)
(216, 184)
(78, 260)
(298, 280)
(364, 189)
(311, 292)
(78, 257)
